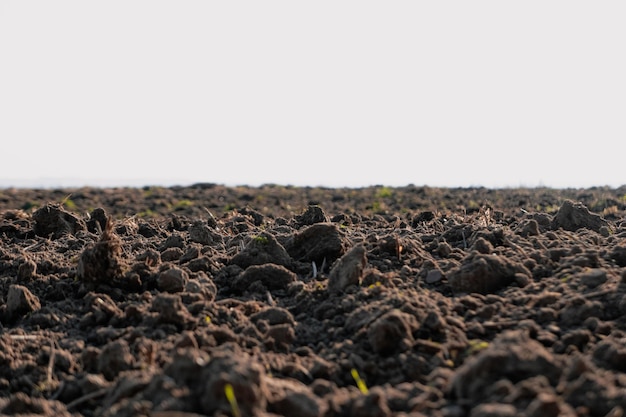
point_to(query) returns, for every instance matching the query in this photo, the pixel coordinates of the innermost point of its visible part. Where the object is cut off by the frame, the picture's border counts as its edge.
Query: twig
(24, 336)
(270, 300)
(35, 245)
(50, 363)
(514, 245)
(87, 397)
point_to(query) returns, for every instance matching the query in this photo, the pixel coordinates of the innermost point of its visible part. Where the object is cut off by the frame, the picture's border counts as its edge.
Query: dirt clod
(101, 262)
(114, 358)
(173, 280)
(484, 274)
(574, 215)
(21, 301)
(348, 269)
(53, 221)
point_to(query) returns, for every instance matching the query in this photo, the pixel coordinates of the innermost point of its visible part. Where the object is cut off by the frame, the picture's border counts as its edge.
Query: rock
(262, 249)
(20, 301)
(316, 243)
(172, 280)
(348, 270)
(573, 216)
(52, 221)
(114, 358)
(433, 276)
(272, 276)
(484, 274)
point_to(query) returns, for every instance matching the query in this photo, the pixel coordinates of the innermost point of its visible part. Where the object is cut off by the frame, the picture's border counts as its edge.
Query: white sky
(334, 93)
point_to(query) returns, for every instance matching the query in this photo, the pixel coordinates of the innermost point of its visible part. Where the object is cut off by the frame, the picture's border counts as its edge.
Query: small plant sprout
(67, 202)
(314, 269)
(476, 345)
(232, 400)
(263, 240)
(359, 382)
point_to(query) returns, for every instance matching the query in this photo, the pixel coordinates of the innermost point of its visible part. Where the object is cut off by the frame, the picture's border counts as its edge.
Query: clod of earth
(574, 215)
(101, 262)
(348, 270)
(54, 221)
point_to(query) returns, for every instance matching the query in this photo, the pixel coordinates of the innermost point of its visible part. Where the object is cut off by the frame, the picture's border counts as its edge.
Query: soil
(208, 300)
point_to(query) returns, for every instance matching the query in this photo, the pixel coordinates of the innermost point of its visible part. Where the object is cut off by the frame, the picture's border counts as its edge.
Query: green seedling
(377, 207)
(181, 204)
(384, 192)
(261, 239)
(476, 346)
(359, 382)
(67, 202)
(232, 400)
(146, 213)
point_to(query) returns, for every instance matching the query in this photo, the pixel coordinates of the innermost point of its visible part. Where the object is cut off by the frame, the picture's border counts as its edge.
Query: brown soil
(282, 301)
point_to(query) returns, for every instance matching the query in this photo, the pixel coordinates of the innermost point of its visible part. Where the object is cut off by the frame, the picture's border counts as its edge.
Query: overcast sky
(333, 93)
